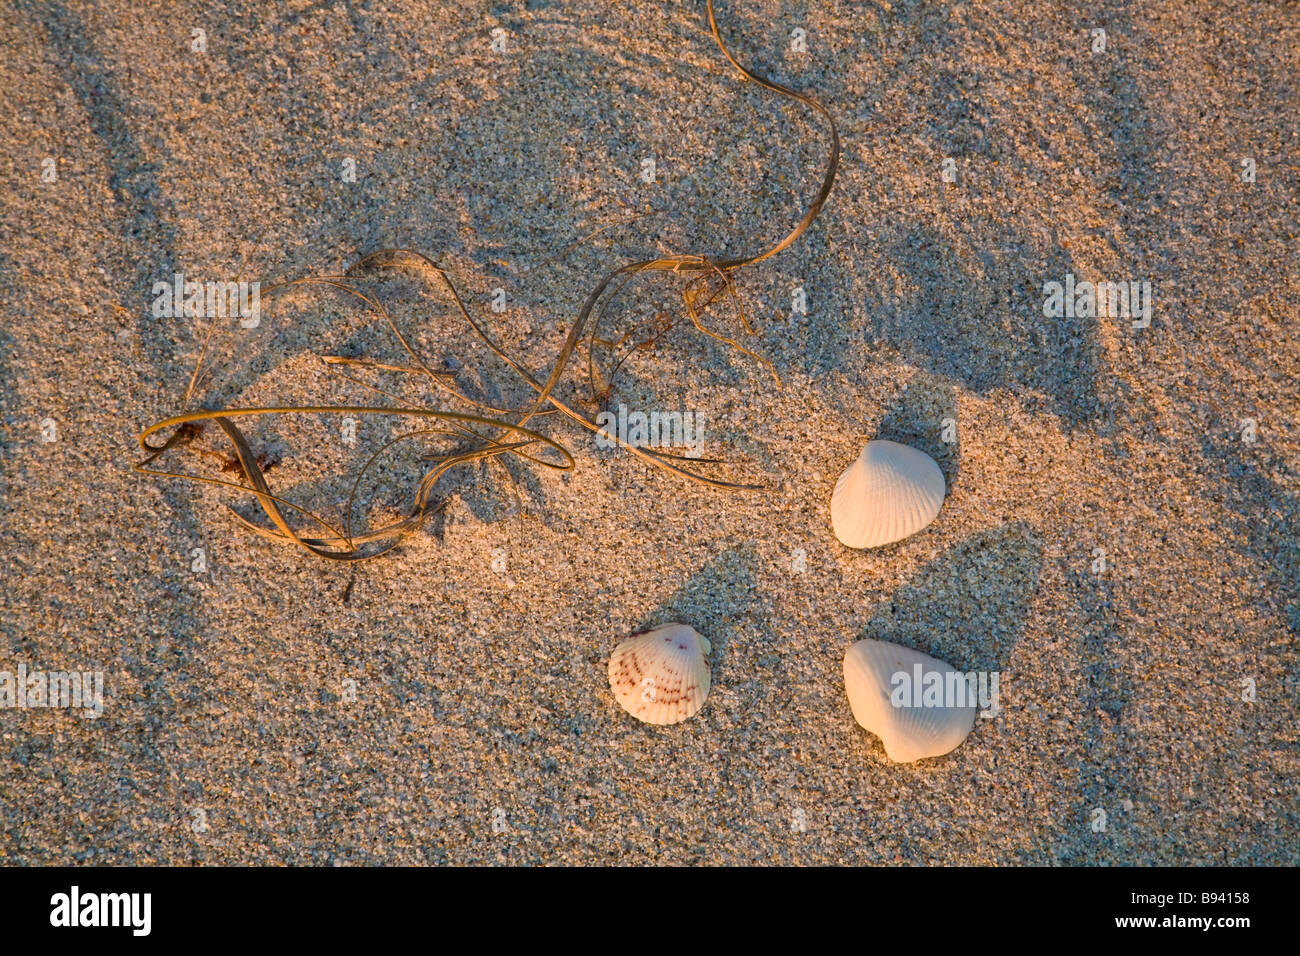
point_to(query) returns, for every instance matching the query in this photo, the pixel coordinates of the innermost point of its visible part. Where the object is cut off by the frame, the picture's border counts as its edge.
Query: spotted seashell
(660, 676)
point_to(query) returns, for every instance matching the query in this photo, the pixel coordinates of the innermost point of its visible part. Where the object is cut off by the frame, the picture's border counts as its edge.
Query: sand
(454, 706)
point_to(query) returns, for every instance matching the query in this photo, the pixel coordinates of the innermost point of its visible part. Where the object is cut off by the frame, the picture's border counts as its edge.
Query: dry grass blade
(492, 432)
(339, 544)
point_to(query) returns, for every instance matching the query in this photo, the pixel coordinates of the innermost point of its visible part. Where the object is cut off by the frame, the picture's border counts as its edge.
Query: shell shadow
(1104, 771)
(968, 606)
(708, 601)
(1108, 687)
(1266, 517)
(1061, 360)
(922, 416)
(8, 400)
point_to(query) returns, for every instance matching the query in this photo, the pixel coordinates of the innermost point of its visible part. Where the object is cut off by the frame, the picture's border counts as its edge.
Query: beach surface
(1118, 543)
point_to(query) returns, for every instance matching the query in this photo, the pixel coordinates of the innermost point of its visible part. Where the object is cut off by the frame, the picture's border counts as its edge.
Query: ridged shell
(660, 676)
(891, 491)
(908, 732)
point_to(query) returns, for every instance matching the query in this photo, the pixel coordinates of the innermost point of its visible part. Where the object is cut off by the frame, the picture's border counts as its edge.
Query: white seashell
(660, 676)
(879, 675)
(891, 491)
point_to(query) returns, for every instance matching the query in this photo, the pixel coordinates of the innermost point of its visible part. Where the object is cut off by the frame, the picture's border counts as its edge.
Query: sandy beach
(1118, 543)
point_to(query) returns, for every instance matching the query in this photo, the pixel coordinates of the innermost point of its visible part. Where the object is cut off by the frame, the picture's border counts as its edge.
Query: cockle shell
(660, 676)
(891, 491)
(909, 732)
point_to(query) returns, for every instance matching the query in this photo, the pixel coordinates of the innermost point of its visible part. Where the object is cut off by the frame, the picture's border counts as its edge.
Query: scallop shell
(660, 676)
(909, 732)
(891, 491)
